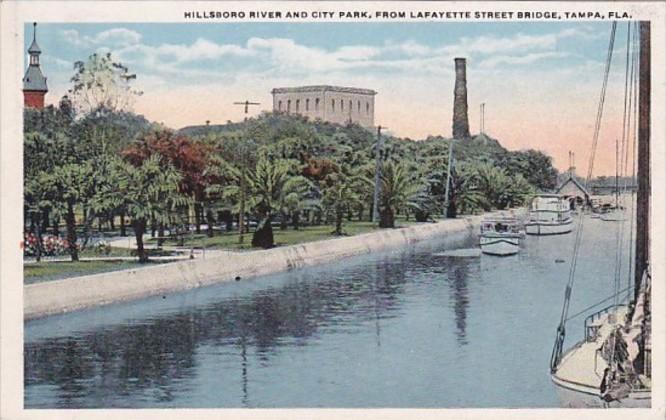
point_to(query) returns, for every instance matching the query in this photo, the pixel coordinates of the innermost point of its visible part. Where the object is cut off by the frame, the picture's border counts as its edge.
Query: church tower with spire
(34, 82)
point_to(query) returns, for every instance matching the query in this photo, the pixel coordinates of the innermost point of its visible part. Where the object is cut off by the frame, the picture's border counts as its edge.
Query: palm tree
(397, 190)
(147, 191)
(520, 191)
(466, 198)
(343, 192)
(271, 185)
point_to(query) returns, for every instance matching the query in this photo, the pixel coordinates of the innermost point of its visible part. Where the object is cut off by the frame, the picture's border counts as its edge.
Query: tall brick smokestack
(460, 121)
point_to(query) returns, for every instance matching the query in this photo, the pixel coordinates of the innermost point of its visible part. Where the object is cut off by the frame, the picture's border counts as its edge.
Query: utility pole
(243, 161)
(482, 117)
(378, 170)
(448, 179)
(246, 105)
(241, 210)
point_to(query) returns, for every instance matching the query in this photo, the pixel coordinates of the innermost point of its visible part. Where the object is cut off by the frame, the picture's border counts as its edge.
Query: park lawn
(46, 271)
(115, 252)
(282, 237)
(122, 252)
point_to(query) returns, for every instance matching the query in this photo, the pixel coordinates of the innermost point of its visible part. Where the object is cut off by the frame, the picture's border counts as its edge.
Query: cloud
(205, 59)
(487, 45)
(494, 61)
(201, 49)
(116, 37)
(49, 60)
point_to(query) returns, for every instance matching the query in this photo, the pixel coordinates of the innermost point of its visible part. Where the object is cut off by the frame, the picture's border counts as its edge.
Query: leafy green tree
(272, 184)
(235, 158)
(396, 192)
(342, 193)
(520, 191)
(148, 191)
(494, 184)
(47, 143)
(109, 132)
(189, 157)
(498, 189)
(466, 195)
(534, 166)
(38, 202)
(71, 186)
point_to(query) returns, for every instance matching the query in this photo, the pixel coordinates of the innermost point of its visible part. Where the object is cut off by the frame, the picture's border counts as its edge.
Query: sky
(540, 81)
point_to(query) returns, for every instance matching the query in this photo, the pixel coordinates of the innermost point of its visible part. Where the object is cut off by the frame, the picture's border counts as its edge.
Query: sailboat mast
(643, 173)
(617, 183)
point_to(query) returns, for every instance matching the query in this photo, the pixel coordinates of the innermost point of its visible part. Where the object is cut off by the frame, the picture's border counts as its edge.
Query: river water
(408, 328)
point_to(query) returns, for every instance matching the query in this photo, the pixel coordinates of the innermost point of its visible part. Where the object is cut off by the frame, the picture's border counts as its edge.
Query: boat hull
(500, 246)
(549, 228)
(580, 371)
(574, 395)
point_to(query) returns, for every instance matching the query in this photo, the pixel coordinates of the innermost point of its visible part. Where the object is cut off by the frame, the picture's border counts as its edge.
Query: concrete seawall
(60, 296)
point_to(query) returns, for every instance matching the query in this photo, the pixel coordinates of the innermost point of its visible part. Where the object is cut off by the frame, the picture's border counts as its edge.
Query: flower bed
(51, 245)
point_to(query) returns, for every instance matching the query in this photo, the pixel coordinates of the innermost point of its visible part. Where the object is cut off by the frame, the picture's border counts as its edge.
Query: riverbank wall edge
(77, 293)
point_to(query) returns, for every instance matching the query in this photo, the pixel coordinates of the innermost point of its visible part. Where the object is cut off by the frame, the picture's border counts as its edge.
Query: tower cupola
(34, 82)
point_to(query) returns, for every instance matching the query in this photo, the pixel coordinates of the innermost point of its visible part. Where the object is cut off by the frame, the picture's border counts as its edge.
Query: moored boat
(550, 214)
(500, 236)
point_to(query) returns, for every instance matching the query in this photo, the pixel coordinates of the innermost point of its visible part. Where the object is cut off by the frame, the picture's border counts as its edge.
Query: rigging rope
(582, 311)
(626, 124)
(600, 109)
(559, 339)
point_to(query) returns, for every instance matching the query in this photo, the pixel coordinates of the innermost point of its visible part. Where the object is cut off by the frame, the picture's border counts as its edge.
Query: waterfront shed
(571, 187)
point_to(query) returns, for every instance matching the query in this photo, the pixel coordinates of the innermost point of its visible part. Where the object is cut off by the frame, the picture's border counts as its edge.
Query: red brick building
(34, 82)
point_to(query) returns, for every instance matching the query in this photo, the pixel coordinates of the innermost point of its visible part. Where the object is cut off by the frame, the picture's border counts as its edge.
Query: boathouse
(571, 187)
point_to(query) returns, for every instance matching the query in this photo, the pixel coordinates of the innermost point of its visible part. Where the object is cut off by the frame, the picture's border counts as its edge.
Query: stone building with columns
(340, 105)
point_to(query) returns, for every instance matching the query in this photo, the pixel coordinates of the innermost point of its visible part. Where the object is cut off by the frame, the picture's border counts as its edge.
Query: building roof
(34, 80)
(547, 195)
(34, 48)
(323, 88)
(573, 179)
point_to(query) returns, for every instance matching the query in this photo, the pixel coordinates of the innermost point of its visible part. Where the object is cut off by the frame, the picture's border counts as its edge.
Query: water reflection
(158, 353)
(458, 277)
(411, 329)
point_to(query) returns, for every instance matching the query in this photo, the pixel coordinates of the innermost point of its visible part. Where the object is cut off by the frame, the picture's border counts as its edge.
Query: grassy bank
(55, 270)
(290, 236)
(47, 271)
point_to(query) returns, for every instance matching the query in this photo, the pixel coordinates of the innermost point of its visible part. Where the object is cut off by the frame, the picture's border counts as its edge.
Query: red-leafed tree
(188, 156)
(318, 169)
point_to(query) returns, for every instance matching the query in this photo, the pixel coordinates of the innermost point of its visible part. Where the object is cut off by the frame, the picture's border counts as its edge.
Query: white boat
(602, 369)
(612, 365)
(550, 214)
(500, 237)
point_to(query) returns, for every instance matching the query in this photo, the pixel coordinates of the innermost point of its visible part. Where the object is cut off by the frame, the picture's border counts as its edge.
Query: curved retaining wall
(59, 296)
